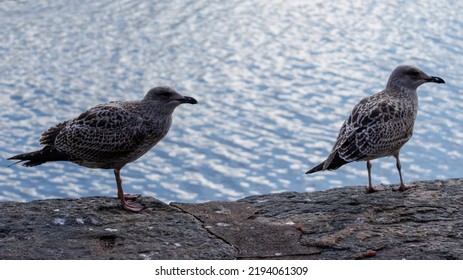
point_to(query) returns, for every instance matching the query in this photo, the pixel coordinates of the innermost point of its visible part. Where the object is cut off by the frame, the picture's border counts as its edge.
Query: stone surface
(425, 222)
(96, 228)
(422, 223)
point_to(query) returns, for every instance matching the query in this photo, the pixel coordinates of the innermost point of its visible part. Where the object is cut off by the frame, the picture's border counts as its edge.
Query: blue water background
(274, 81)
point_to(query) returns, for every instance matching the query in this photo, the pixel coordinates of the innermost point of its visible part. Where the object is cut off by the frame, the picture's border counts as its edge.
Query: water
(275, 80)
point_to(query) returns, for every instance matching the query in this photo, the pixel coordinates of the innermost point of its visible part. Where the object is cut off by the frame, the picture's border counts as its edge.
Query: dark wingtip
(48, 153)
(19, 160)
(14, 158)
(25, 162)
(316, 168)
(14, 163)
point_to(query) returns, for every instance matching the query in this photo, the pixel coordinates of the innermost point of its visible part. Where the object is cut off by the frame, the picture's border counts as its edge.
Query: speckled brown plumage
(380, 124)
(110, 135)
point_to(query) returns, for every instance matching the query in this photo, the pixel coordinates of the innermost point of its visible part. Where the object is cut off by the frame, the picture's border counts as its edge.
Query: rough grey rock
(425, 222)
(95, 228)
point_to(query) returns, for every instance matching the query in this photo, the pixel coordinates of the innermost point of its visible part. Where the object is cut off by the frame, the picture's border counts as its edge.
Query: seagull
(111, 135)
(380, 124)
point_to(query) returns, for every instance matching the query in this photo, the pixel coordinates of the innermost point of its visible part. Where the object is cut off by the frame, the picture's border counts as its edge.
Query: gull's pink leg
(120, 192)
(402, 186)
(370, 187)
(130, 206)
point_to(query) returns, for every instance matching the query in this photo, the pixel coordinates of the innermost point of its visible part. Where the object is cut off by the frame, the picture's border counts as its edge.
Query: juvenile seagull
(110, 135)
(380, 124)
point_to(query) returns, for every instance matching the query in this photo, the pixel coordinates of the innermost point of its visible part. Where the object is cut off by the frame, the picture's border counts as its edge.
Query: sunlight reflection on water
(274, 81)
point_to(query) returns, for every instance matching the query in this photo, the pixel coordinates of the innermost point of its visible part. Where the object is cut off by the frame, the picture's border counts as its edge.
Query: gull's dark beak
(187, 99)
(433, 79)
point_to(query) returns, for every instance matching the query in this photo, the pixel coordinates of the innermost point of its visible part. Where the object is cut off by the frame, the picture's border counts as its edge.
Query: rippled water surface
(275, 80)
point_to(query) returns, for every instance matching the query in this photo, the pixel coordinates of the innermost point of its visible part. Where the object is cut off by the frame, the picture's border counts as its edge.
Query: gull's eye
(164, 94)
(413, 73)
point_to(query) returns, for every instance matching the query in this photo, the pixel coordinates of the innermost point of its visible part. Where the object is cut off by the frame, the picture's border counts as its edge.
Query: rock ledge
(345, 223)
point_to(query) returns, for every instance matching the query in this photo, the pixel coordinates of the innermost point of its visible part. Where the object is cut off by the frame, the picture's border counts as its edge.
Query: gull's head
(168, 95)
(410, 77)
(164, 100)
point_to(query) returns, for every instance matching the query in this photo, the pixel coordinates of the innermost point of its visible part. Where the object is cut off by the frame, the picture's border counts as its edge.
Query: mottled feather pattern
(110, 135)
(49, 136)
(379, 125)
(100, 138)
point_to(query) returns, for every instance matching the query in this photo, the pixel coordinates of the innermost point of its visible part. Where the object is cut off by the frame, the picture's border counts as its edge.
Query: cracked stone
(345, 223)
